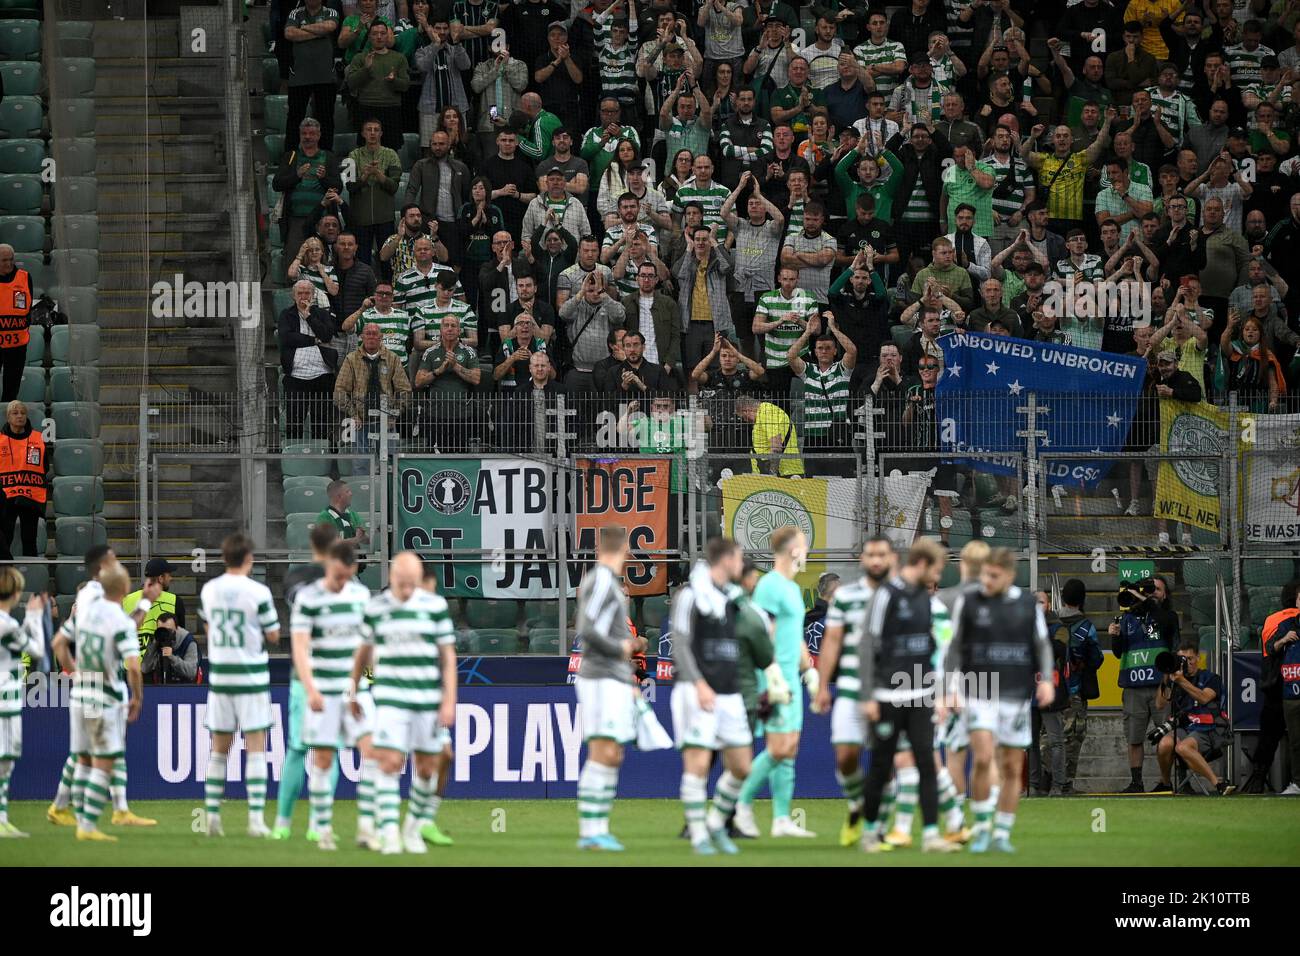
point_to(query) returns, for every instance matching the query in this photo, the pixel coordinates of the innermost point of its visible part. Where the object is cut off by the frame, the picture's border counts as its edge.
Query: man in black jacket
(309, 181)
(637, 376)
(922, 155)
(440, 184)
(304, 331)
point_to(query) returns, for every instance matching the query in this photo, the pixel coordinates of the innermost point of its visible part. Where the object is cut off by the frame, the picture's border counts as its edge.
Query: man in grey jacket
(701, 319)
(442, 63)
(588, 317)
(172, 657)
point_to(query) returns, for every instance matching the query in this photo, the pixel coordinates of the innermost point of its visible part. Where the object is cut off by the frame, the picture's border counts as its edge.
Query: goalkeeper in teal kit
(779, 595)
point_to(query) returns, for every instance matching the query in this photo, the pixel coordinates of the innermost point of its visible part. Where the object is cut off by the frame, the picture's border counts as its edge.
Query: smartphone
(493, 113)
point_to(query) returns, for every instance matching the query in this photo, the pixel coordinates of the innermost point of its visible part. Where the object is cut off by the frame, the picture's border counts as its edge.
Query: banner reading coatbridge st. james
(501, 513)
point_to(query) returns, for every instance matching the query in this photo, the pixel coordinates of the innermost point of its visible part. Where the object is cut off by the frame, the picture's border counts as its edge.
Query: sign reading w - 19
(501, 513)
(1086, 400)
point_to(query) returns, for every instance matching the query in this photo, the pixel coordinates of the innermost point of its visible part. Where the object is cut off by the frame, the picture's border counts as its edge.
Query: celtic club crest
(1193, 435)
(760, 514)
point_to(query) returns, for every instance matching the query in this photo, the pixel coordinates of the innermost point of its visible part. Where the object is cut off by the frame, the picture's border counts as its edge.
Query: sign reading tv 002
(501, 512)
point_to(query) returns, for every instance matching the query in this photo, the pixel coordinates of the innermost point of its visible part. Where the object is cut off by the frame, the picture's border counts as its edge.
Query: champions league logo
(448, 492)
(1191, 435)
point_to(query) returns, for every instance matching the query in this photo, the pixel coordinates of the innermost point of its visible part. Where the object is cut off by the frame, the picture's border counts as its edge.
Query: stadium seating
(32, 388)
(24, 233)
(370, 576)
(1202, 609)
(275, 109)
(20, 40)
(21, 78)
(318, 482)
(544, 640)
(270, 73)
(82, 457)
(21, 117)
(297, 532)
(305, 499)
(493, 641)
(291, 467)
(79, 303)
(36, 348)
(74, 383)
(76, 75)
(37, 576)
(75, 117)
(1268, 572)
(76, 419)
(74, 344)
(20, 195)
(77, 264)
(21, 156)
(653, 610)
(68, 577)
(362, 496)
(78, 497)
(1200, 574)
(76, 37)
(491, 614)
(76, 239)
(76, 156)
(78, 195)
(34, 263)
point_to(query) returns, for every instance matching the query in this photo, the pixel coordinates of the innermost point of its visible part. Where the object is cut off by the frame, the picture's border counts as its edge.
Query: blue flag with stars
(1086, 401)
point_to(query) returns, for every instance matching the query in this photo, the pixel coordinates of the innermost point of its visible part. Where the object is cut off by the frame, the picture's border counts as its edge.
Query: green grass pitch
(1079, 831)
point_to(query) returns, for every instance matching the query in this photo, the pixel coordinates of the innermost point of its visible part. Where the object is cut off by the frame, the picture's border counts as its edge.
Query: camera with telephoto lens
(1133, 595)
(165, 636)
(1168, 664)
(1161, 729)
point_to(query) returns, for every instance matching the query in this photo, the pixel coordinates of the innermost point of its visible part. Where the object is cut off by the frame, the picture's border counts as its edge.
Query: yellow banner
(754, 506)
(1187, 488)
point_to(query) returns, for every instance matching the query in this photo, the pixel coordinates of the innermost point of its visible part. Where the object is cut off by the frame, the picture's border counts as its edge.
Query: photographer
(1196, 697)
(1143, 631)
(172, 657)
(1282, 686)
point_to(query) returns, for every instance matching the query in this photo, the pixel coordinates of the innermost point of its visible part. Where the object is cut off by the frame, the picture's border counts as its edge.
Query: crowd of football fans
(633, 201)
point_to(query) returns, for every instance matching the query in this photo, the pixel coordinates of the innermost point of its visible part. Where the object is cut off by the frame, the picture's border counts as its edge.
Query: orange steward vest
(15, 310)
(22, 466)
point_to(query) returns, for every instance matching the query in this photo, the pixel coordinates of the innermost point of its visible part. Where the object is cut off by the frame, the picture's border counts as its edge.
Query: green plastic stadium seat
(32, 389)
(1202, 609)
(74, 344)
(343, 144)
(73, 117)
(76, 195)
(544, 640)
(270, 74)
(275, 109)
(541, 614)
(34, 263)
(76, 75)
(493, 641)
(342, 118)
(68, 577)
(42, 536)
(21, 117)
(75, 420)
(76, 265)
(1264, 600)
(370, 576)
(74, 383)
(297, 531)
(77, 234)
(653, 610)
(21, 78)
(362, 496)
(304, 499)
(291, 467)
(20, 40)
(1200, 574)
(410, 151)
(21, 195)
(1267, 572)
(24, 233)
(36, 347)
(268, 37)
(278, 265)
(274, 147)
(318, 482)
(491, 614)
(281, 299)
(80, 303)
(21, 156)
(901, 335)
(76, 29)
(78, 497)
(76, 156)
(26, 7)
(83, 457)
(35, 575)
